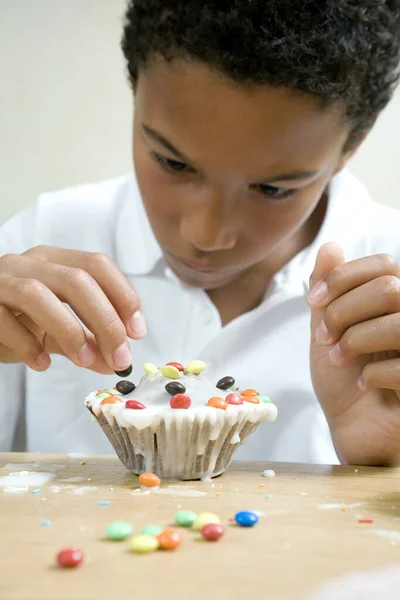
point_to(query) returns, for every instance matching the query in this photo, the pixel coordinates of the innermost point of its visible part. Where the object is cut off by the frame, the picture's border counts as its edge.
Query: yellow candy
(196, 367)
(170, 371)
(150, 369)
(144, 544)
(205, 519)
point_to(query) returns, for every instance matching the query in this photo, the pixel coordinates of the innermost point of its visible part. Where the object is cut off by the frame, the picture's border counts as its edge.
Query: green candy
(103, 395)
(119, 531)
(152, 530)
(264, 399)
(185, 518)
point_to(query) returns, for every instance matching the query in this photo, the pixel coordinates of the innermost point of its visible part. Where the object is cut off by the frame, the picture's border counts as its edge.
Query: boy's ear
(350, 151)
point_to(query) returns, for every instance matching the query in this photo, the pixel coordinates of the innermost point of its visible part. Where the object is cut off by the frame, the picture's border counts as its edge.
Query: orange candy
(251, 399)
(110, 400)
(250, 392)
(149, 480)
(170, 539)
(216, 402)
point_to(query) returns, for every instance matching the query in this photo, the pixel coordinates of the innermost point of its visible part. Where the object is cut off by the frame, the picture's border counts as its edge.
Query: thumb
(329, 256)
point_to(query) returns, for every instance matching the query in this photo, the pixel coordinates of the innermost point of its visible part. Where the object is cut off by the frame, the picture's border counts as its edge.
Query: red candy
(135, 404)
(69, 558)
(176, 365)
(212, 531)
(180, 401)
(234, 399)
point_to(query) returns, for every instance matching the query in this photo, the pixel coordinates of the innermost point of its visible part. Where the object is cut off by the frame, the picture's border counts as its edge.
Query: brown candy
(225, 383)
(124, 373)
(175, 387)
(125, 387)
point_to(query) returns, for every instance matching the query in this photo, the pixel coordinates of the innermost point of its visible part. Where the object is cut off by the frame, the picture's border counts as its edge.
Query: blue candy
(246, 518)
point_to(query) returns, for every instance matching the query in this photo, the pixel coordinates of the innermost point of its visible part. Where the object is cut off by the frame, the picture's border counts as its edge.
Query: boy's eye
(275, 192)
(174, 166)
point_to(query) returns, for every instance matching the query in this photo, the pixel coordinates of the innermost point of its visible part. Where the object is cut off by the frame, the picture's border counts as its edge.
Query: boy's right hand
(37, 291)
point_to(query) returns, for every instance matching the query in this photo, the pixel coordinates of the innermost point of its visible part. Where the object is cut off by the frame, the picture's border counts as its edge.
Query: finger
(18, 343)
(329, 256)
(373, 299)
(348, 276)
(384, 374)
(378, 335)
(34, 299)
(83, 294)
(115, 284)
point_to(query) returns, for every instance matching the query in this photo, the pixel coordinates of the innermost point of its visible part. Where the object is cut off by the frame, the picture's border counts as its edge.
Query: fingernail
(322, 334)
(335, 354)
(86, 356)
(318, 293)
(137, 325)
(43, 361)
(362, 384)
(122, 358)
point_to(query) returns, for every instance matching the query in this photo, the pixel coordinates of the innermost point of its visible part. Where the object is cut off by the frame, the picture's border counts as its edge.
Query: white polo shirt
(267, 348)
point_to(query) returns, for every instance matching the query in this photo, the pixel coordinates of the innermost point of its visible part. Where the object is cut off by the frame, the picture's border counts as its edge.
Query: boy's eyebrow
(294, 176)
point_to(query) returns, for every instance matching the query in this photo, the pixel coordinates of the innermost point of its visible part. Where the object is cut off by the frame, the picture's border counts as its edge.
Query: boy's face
(228, 174)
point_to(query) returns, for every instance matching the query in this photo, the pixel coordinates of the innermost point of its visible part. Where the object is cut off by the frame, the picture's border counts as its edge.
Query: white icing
(30, 479)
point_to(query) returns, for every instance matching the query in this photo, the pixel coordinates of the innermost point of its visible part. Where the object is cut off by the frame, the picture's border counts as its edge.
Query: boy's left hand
(355, 353)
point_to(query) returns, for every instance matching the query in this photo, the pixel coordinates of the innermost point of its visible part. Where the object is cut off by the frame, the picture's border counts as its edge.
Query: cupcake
(176, 423)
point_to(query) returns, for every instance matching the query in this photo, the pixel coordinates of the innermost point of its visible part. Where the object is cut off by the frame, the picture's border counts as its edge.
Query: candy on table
(180, 401)
(170, 539)
(119, 531)
(125, 387)
(212, 531)
(225, 383)
(235, 399)
(264, 399)
(175, 387)
(250, 392)
(269, 473)
(185, 518)
(70, 558)
(143, 544)
(177, 365)
(134, 404)
(125, 372)
(152, 530)
(150, 369)
(195, 367)
(216, 402)
(110, 400)
(150, 480)
(246, 518)
(170, 372)
(204, 519)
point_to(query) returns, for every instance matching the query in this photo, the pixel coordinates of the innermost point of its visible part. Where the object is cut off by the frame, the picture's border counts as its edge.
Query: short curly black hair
(344, 52)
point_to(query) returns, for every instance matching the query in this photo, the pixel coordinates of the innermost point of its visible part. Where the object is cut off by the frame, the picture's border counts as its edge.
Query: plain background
(66, 108)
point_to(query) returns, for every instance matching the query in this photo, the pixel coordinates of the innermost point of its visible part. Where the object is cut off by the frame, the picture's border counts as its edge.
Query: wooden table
(304, 538)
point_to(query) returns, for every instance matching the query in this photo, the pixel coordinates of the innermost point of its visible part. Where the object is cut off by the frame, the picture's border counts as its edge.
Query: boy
(246, 114)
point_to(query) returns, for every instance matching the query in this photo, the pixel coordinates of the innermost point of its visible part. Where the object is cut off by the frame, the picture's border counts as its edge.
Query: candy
(149, 480)
(251, 399)
(152, 530)
(175, 387)
(170, 539)
(185, 518)
(110, 391)
(216, 402)
(134, 404)
(269, 473)
(177, 365)
(180, 401)
(225, 383)
(195, 367)
(125, 372)
(69, 558)
(250, 392)
(101, 395)
(205, 519)
(144, 544)
(234, 399)
(150, 369)
(264, 399)
(212, 531)
(125, 387)
(119, 531)
(170, 372)
(246, 518)
(111, 400)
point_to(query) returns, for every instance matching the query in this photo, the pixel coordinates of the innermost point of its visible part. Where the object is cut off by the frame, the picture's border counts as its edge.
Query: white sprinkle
(269, 473)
